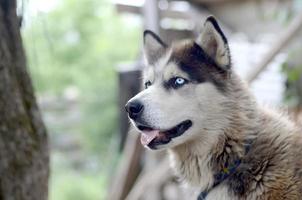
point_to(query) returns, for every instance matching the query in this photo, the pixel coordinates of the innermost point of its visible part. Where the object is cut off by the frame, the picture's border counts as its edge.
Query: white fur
(220, 193)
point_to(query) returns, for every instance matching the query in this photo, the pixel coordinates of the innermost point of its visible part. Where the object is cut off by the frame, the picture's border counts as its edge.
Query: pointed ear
(214, 43)
(154, 47)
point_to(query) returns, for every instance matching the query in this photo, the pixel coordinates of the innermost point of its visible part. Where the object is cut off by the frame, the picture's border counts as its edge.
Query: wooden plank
(129, 79)
(124, 8)
(151, 15)
(222, 1)
(129, 168)
(130, 164)
(150, 178)
(213, 1)
(195, 14)
(280, 44)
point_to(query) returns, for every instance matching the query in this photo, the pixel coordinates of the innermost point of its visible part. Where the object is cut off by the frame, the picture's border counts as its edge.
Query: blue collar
(224, 174)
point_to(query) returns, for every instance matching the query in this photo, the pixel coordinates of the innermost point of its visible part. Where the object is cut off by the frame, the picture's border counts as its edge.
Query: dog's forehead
(188, 60)
(169, 62)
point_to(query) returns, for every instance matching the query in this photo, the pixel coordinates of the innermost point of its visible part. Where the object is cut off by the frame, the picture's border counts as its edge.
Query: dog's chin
(156, 138)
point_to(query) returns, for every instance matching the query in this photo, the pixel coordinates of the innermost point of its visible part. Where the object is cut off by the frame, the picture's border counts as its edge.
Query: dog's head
(185, 86)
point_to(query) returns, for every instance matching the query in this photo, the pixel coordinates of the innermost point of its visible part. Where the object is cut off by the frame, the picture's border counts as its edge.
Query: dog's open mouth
(152, 137)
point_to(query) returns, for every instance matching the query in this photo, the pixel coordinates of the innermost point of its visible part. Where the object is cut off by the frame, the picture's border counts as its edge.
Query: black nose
(134, 109)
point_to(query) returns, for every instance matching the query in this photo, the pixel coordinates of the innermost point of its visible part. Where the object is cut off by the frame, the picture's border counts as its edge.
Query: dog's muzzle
(153, 136)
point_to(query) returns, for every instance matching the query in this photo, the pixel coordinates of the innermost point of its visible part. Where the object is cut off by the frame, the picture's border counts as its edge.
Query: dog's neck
(198, 161)
(192, 162)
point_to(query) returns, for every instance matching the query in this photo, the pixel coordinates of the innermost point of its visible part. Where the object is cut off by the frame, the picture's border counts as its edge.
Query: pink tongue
(148, 136)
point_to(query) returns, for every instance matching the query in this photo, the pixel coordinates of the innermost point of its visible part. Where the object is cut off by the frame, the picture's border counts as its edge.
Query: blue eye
(178, 82)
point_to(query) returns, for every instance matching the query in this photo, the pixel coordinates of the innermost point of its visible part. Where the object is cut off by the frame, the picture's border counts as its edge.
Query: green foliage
(293, 72)
(71, 185)
(78, 44)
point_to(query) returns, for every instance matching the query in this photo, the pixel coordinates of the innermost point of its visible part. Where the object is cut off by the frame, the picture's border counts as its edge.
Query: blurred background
(84, 58)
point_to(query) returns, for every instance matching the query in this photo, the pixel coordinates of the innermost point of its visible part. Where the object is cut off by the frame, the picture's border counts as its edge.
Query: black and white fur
(205, 121)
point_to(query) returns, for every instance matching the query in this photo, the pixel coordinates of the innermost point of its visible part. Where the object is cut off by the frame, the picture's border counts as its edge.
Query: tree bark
(24, 154)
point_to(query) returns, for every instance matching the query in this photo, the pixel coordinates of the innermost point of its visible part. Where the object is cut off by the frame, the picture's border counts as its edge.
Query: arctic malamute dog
(220, 140)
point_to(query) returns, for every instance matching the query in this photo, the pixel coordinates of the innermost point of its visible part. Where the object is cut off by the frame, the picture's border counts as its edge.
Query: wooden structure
(132, 180)
(128, 78)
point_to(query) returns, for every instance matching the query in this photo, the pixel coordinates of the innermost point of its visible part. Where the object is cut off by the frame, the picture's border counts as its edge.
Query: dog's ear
(214, 43)
(154, 47)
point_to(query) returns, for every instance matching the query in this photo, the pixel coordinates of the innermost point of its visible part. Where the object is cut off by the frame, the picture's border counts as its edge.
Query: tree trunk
(23, 140)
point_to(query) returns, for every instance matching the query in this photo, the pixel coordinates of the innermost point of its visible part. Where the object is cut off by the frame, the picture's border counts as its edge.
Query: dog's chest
(220, 192)
(196, 174)
(193, 170)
